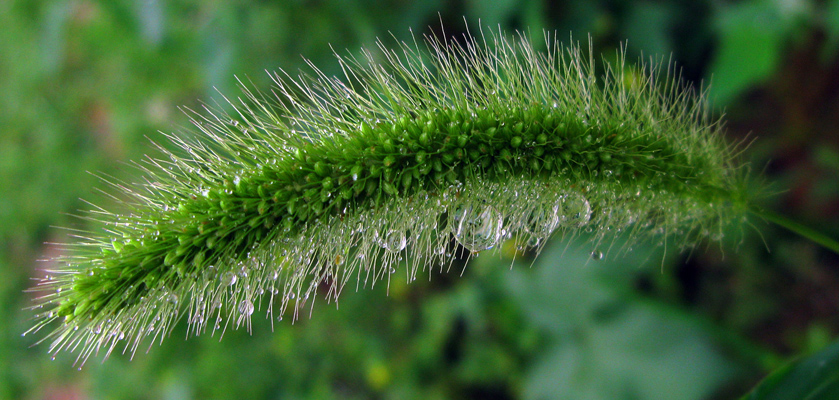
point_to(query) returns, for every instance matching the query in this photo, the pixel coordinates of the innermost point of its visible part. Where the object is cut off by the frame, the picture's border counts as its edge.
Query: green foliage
(813, 378)
(84, 83)
(600, 333)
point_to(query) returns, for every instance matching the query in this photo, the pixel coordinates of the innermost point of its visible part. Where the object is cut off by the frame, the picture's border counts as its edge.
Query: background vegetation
(84, 86)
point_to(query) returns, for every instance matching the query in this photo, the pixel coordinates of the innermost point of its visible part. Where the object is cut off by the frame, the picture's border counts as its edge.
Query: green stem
(795, 227)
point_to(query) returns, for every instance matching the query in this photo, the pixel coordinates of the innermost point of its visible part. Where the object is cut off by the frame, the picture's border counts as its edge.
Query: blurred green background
(85, 86)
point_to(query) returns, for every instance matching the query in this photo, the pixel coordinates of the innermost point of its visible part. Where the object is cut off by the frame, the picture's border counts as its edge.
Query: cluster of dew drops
(478, 218)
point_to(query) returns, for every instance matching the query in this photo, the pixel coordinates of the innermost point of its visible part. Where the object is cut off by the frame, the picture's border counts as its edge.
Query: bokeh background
(86, 85)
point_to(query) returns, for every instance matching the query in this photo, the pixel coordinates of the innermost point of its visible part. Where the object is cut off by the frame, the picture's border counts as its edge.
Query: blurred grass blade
(813, 378)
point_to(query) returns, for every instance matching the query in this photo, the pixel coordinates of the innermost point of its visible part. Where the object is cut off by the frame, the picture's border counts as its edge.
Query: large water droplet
(229, 278)
(597, 255)
(477, 228)
(394, 241)
(576, 211)
(542, 220)
(246, 308)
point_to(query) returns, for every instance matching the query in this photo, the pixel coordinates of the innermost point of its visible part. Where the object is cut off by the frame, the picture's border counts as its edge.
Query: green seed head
(485, 142)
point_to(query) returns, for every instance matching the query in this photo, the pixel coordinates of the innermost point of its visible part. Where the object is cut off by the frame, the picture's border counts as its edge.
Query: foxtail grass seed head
(416, 155)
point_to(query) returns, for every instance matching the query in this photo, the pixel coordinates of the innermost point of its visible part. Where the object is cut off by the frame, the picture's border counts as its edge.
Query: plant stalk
(797, 228)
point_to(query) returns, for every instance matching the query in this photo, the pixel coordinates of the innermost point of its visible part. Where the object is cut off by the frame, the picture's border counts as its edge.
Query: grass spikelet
(417, 153)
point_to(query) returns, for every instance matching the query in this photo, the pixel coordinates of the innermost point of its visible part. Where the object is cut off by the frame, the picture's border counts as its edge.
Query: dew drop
(576, 210)
(597, 255)
(246, 308)
(477, 228)
(229, 278)
(394, 241)
(542, 220)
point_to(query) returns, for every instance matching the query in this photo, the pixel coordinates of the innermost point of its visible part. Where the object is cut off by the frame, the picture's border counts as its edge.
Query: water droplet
(542, 220)
(339, 260)
(576, 210)
(597, 255)
(172, 298)
(477, 228)
(246, 308)
(229, 278)
(291, 296)
(394, 241)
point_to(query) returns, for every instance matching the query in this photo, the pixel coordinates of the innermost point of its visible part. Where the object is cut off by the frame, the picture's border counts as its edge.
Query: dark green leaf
(813, 378)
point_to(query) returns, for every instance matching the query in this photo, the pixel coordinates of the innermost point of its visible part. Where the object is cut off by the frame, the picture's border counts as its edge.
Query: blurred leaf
(648, 25)
(831, 26)
(492, 13)
(813, 378)
(751, 39)
(609, 344)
